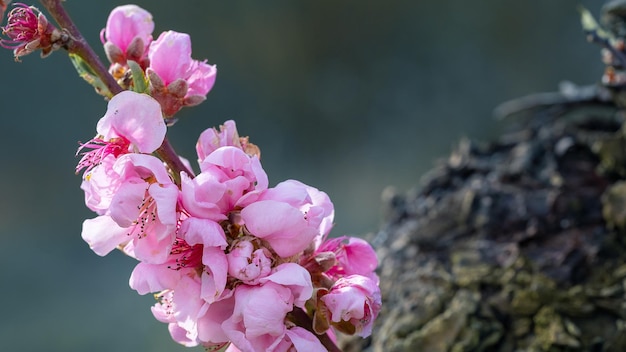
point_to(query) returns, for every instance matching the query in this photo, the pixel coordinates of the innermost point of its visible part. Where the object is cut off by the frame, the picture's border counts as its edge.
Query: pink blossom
(198, 252)
(290, 216)
(284, 227)
(147, 278)
(176, 80)
(247, 264)
(201, 79)
(298, 338)
(142, 210)
(202, 196)
(133, 123)
(170, 58)
(295, 278)
(211, 318)
(27, 30)
(192, 320)
(128, 33)
(236, 168)
(179, 307)
(256, 325)
(354, 299)
(314, 203)
(227, 175)
(214, 265)
(22, 26)
(211, 139)
(303, 340)
(355, 257)
(100, 184)
(135, 117)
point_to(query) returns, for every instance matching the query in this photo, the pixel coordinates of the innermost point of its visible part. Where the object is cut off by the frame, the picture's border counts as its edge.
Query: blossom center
(100, 149)
(186, 256)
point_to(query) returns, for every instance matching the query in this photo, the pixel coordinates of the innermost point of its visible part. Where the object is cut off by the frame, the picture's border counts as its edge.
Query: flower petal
(136, 117)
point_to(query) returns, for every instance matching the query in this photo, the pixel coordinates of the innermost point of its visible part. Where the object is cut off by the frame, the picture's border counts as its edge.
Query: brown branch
(303, 320)
(78, 45)
(167, 153)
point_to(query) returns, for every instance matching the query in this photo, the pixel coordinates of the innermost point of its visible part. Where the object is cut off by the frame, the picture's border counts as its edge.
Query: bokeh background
(348, 96)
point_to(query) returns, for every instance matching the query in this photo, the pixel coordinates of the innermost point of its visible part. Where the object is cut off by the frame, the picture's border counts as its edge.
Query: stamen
(188, 256)
(100, 150)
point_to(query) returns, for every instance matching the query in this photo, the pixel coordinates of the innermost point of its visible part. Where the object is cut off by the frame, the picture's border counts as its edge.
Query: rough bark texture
(505, 247)
(520, 244)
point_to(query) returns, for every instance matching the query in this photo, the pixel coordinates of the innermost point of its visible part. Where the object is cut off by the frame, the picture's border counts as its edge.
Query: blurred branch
(569, 95)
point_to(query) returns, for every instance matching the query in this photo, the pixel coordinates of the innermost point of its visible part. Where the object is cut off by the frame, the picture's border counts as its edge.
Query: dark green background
(347, 96)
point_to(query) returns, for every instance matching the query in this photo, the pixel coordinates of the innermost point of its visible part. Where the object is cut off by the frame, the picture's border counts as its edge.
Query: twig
(78, 45)
(303, 320)
(167, 153)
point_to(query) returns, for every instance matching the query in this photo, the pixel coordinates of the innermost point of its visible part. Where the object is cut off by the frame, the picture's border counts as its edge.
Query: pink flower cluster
(175, 79)
(232, 261)
(229, 257)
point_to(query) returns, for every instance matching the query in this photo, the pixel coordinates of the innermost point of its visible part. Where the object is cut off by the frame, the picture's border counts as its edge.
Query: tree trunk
(518, 245)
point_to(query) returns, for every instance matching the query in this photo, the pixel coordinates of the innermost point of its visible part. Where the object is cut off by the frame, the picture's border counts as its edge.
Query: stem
(78, 45)
(303, 320)
(167, 153)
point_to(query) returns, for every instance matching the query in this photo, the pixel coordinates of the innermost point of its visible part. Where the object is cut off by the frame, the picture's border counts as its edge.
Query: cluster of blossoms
(175, 79)
(231, 260)
(228, 256)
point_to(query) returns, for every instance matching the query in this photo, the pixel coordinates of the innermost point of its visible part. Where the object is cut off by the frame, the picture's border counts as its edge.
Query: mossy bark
(516, 245)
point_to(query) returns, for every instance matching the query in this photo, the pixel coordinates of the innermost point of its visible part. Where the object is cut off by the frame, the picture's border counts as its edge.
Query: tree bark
(515, 245)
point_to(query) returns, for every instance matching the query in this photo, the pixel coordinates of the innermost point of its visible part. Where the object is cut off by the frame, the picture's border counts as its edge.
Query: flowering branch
(79, 46)
(222, 248)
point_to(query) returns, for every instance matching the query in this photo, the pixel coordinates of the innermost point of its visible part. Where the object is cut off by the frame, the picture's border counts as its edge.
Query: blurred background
(349, 97)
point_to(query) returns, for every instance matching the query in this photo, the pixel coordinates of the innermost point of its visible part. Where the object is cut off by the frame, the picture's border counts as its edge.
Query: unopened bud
(113, 53)
(135, 49)
(178, 88)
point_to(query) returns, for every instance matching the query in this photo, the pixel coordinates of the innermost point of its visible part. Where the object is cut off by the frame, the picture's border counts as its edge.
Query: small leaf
(85, 71)
(140, 82)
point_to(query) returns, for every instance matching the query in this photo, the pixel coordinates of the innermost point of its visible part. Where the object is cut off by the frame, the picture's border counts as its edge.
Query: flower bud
(171, 64)
(353, 303)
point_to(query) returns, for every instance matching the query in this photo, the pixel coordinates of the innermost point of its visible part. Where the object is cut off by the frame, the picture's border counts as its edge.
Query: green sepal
(140, 82)
(88, 74)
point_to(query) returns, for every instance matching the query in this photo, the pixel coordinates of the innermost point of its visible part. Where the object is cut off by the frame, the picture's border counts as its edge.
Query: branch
(78, 45)
(303, 320)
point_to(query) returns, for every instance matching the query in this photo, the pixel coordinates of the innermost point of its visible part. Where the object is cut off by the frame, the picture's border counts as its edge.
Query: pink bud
(354, 300)
(247, 264)
(125, 23)
(170, 62)
(170, 56)
(355, 257)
